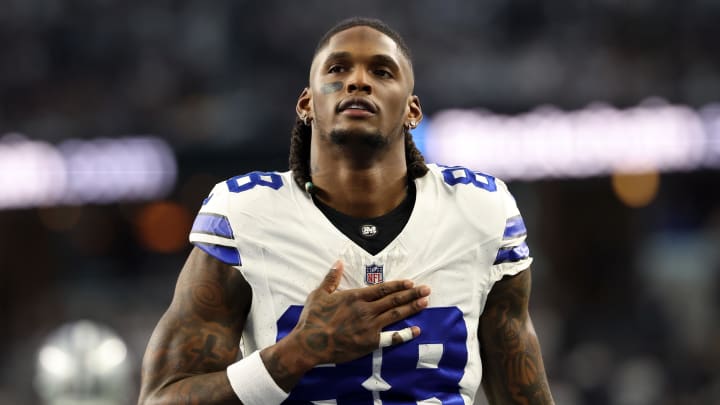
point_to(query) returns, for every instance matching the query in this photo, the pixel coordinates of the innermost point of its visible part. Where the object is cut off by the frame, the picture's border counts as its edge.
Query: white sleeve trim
(211, 239)
(511, 268)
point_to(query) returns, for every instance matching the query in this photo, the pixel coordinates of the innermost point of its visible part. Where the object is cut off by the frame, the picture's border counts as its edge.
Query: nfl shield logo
(373, 274)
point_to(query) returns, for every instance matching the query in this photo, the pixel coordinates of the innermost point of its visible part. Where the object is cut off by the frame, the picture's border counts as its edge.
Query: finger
(332, 278)
(381, 290)
(395, 337)
(399, 298)
(401, 312)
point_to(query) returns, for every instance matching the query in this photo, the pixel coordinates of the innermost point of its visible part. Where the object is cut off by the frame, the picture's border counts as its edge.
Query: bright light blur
(636, 190)
(57, 362)
(597, 140)
(34, 173)
(83, 362)
(108, 355)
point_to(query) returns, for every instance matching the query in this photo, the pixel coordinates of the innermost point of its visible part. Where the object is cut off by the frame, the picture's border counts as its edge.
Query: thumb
(332, 278)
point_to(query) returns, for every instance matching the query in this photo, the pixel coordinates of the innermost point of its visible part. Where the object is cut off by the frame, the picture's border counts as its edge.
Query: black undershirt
(360, 230)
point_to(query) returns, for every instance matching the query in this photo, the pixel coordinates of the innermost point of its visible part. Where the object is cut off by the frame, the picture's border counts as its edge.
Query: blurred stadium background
(117, 117)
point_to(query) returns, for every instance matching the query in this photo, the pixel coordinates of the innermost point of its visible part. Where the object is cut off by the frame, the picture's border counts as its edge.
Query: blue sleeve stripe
(226, 254)
(512, 254)
(514, 227)
(212, 224)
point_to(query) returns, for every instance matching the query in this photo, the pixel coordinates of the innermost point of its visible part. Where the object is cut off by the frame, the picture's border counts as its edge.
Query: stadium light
(38, 174)
(598, 140)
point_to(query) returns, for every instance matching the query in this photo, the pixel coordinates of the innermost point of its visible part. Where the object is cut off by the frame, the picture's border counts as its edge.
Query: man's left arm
(513, 370)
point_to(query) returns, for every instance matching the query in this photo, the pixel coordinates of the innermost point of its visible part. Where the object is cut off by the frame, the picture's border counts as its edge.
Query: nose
(357, 82)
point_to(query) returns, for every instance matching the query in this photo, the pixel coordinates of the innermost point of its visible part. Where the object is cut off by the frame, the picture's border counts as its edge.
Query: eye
(337, 69)
(384, 73)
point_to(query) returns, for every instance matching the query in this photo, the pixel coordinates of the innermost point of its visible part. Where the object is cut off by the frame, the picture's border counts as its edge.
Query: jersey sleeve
(513, 254)
(212, 231)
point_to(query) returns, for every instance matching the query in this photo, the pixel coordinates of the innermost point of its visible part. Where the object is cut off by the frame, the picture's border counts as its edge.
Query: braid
(300, 155)
(415, 161)
(300, 152)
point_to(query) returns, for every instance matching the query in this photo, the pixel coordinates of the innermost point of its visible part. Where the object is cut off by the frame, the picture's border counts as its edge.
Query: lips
(357, 103)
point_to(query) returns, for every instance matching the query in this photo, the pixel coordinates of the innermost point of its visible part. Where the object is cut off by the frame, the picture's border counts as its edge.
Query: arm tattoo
(205, 352)
(317, 341)
(197, 338)
(280, 371)
(512, 362)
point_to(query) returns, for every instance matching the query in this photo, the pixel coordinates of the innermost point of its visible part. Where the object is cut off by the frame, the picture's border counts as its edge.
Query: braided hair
(301, 133)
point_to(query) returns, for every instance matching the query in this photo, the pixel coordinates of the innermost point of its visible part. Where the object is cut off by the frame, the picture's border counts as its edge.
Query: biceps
(508, 339)
(505, 318)
(513, 370)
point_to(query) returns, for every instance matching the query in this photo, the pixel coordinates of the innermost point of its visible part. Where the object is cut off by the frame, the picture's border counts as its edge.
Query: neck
(362, 194)
(360, 186)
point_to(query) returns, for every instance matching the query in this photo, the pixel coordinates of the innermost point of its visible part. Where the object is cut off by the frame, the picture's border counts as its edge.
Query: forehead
(360, 42)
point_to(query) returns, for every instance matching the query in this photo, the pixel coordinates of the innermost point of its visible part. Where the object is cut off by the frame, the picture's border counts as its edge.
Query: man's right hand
(340, 326)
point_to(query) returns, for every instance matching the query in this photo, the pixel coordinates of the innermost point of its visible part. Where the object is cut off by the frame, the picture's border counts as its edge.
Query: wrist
(253, 384)
(286, 362)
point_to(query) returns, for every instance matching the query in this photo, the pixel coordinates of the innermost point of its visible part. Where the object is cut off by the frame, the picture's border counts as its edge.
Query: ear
(304, 104)
(414, 111)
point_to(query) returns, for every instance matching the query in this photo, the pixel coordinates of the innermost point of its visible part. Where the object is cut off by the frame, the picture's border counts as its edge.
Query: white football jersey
(464, 234)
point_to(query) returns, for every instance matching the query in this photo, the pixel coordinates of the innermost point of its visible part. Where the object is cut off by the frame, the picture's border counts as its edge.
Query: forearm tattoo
(512, 362)
(195, 341)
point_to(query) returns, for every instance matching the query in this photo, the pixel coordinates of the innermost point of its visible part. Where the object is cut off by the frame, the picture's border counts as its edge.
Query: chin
(368, 137)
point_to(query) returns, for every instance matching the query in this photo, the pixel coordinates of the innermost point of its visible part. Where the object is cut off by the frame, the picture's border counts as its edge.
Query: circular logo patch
(368, 231)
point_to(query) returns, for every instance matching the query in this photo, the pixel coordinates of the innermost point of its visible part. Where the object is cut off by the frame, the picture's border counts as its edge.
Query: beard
(373, 140)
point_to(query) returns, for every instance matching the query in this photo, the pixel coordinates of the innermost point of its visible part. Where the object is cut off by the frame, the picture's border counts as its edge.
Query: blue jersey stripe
(226, 254)
(514, 227)
(512, 253)
(213, 224)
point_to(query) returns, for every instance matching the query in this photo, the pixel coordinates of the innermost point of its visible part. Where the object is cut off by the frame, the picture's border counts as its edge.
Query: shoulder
(464, 186)
(236, 209)
(478, 198)
(252, 192)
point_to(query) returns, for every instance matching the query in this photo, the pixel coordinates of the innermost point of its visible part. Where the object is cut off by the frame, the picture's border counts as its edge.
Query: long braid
(300, 152)
(415, 161)
(300, 155)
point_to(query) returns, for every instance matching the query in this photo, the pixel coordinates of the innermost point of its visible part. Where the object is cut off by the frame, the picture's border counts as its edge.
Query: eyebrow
(380, 59)
(337, 55)
(386, 61)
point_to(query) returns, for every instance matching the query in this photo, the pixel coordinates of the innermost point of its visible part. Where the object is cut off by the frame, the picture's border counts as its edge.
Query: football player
(362, 275)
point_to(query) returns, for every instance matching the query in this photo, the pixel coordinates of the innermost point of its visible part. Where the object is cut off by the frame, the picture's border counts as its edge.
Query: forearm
(198, 336)
(285, 363)
(244, 379)
(207, 389)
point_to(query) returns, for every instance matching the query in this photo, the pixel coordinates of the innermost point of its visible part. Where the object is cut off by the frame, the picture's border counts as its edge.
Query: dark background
(625, 299)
